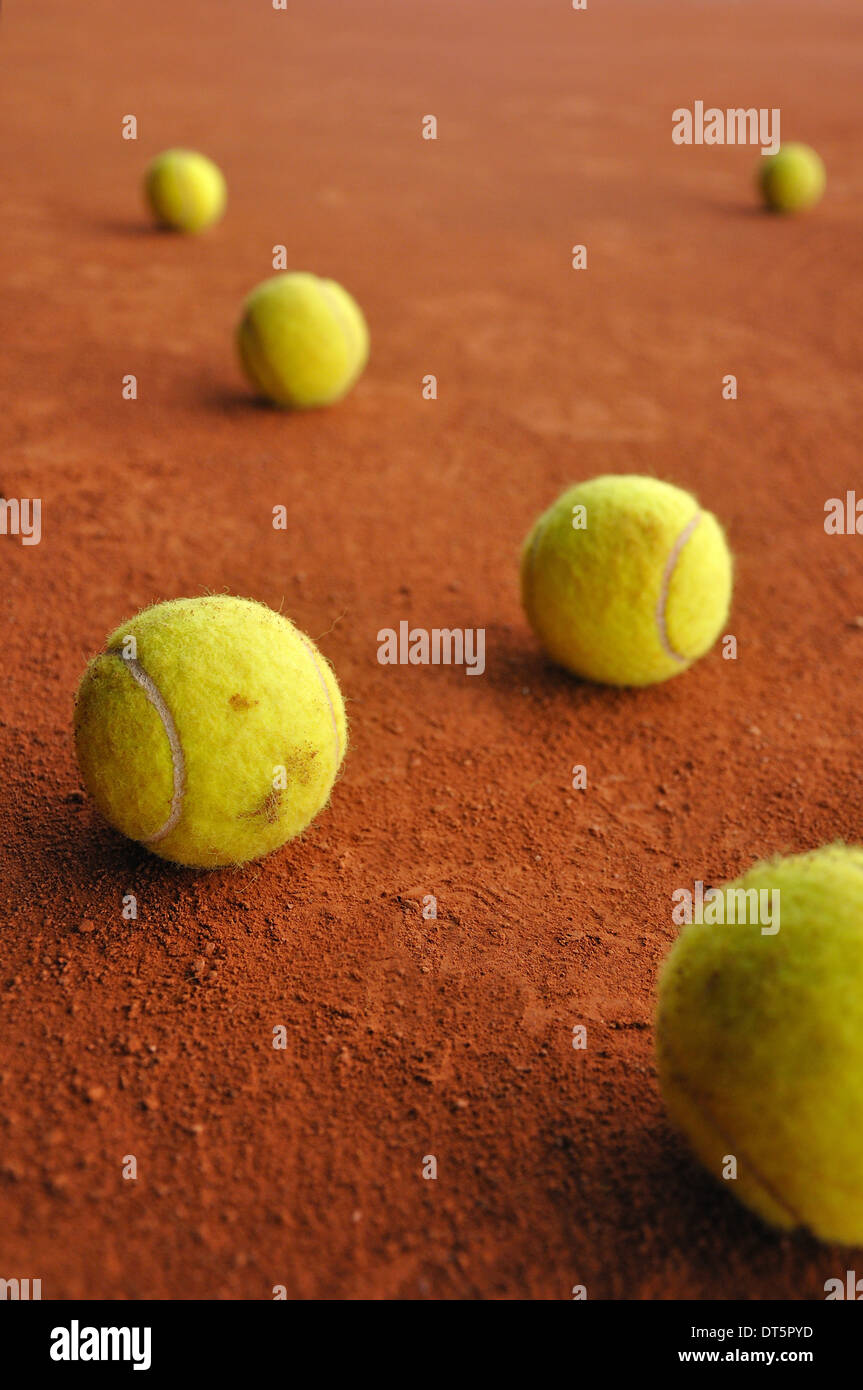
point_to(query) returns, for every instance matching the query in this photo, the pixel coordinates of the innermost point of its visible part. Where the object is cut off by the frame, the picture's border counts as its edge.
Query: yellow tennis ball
(210, 729)
(791, 179)
(759, 1042)
(185, 190)
(303, 341)
(625, 580)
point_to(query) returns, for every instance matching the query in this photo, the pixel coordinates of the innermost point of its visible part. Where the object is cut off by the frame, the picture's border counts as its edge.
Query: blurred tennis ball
(302, 340)
(759, 1041)
(792, 179)
(185, 190)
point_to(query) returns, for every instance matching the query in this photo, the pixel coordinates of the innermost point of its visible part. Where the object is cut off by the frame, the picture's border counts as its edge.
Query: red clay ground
(409, 1037)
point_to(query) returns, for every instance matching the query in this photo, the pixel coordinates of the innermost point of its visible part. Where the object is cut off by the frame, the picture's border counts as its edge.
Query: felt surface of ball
(792, 179)
(760, 1045)
(635, 596)
(185, 742)
(302, 340)
(185, 190)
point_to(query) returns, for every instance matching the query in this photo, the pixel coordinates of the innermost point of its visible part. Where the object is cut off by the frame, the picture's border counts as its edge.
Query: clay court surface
(410, 1037)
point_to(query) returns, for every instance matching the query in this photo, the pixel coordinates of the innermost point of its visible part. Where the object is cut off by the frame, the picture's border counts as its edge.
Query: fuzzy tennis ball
(625, 580)
(302, 341)
(791, 179)
(759, 1041)
(210, 729)
(185, 190)
(760, 1044)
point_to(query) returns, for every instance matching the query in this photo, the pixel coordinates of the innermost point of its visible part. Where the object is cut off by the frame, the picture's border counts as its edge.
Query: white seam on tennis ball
(178, 762)
(327, 696)
(661, 602)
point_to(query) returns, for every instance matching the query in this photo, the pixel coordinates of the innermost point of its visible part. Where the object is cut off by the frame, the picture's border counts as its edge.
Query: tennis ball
(760, 1045)
(185, 190)
(625, 580)
(214, 735)
(791, 179)
(302, 341)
